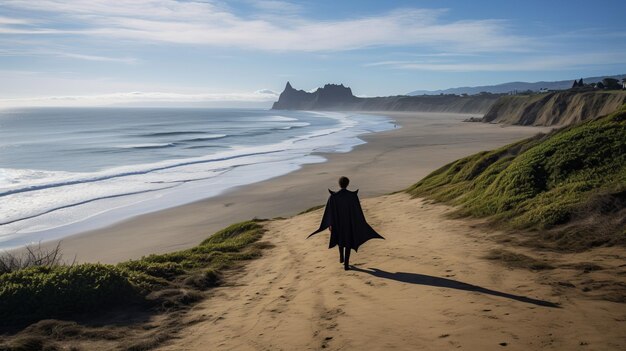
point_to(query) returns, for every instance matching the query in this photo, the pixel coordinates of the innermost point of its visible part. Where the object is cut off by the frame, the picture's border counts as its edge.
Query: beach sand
(388, 162)
(426, 287)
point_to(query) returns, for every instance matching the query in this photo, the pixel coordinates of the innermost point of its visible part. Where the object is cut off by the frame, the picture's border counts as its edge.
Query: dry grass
(31, 256)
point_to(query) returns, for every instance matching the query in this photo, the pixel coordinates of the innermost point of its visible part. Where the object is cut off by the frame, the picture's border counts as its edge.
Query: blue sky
(242, 52)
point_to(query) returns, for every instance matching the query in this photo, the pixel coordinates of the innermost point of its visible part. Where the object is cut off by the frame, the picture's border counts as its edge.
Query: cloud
(543, 63)
(138, 98)
(267, 91)
(13, 21)
(97, 58)
(207, 23)
(36, 52)
(276, 6)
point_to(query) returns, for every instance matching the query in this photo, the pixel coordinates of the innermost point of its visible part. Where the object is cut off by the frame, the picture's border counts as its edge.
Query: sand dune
(426, 287)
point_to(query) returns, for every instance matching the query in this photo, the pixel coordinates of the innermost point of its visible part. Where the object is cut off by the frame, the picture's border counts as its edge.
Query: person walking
(345, 219)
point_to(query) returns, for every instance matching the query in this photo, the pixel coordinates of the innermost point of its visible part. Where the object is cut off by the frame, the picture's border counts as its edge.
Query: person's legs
(346, 262)
(340, 254)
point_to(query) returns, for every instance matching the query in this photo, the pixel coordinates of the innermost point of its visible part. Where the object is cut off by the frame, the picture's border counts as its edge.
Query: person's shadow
(422, 279)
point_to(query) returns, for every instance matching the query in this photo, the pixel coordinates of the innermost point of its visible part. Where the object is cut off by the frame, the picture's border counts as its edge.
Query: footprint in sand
(326, 341)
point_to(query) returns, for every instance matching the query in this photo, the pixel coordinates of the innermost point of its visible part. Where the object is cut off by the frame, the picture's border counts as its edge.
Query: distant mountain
(512, 86)
(337, 97)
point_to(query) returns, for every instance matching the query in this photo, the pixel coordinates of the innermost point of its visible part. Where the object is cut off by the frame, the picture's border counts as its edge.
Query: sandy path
(426, 287)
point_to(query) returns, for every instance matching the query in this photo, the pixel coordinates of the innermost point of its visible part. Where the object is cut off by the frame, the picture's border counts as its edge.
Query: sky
(242, 52)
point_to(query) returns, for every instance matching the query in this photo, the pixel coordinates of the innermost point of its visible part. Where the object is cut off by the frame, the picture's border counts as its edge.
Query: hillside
(340, 98)
(512, 86)
(568, 188)
(554, 109)
(48, 305)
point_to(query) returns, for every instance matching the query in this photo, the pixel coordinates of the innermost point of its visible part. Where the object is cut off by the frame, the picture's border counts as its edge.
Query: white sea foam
(277, 119)
(146, 146)
(43, 205)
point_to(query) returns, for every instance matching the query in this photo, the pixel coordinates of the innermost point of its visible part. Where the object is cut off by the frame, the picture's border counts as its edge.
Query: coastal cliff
(554, 109)
(340, 98)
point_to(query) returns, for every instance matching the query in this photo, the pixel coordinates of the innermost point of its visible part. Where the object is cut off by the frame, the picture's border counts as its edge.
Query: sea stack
(331, 96)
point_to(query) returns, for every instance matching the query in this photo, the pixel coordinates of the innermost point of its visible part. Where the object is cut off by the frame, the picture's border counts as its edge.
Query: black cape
(343, 212)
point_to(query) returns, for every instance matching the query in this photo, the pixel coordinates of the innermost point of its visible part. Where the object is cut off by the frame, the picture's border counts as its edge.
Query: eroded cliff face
(554, 109)
(340, 98)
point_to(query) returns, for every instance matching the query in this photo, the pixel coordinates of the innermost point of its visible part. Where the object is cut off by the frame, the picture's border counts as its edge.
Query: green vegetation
(43, 292)
(517, 260)
(568, 186)
(311, 209)
(168, 280)
(611, 84)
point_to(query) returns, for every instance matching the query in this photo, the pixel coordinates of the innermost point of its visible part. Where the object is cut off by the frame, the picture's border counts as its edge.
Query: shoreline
(389, 161)
(63, 203)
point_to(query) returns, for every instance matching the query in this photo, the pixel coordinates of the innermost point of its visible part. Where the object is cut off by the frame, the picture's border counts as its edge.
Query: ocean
(67, 170)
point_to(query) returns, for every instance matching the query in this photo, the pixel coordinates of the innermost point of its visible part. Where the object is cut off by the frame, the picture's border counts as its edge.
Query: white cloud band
(138, 98)
(205, 23)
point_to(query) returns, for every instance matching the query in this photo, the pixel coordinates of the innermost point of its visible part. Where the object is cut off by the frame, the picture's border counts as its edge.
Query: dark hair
(343, 182)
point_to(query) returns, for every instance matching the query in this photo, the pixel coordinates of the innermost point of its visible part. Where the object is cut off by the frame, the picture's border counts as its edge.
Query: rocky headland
(340, 98)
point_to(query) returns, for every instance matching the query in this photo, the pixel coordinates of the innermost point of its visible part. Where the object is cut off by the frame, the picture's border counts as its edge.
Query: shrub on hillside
(545, 181)
(218, 251)
(43, 292)
(57, 291)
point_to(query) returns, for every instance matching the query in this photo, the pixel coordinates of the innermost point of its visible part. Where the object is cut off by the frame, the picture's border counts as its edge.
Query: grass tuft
(311, 209)
(517, 260)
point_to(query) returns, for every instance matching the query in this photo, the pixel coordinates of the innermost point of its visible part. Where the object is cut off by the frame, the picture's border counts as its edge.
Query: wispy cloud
(543, 63)
(72, 55)
(277, 6)
(138, 98)
(128, 60)
(13, 21)
(207, 23)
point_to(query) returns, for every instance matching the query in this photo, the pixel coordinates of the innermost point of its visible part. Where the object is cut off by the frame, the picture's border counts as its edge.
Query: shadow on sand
(422, 279)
